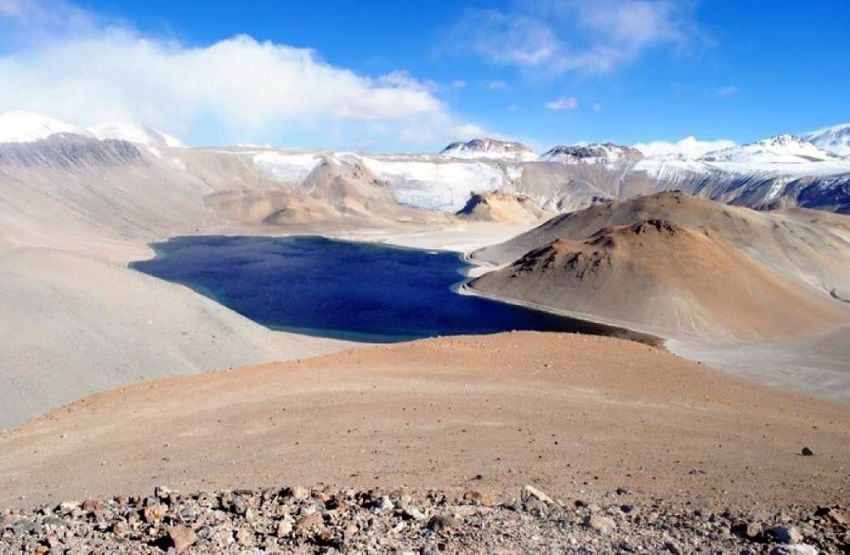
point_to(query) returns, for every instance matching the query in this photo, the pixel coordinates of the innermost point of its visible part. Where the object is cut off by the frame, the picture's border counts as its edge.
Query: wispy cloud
(558, 36)
(728, 90)
(566, 103)
(597, 107)
(496, 85)
(71, 64)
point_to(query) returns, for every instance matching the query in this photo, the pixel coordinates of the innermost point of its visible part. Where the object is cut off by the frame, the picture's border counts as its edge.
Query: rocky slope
(324, 518)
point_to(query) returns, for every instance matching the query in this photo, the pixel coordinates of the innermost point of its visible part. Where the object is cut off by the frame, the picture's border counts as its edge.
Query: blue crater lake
(342, 289)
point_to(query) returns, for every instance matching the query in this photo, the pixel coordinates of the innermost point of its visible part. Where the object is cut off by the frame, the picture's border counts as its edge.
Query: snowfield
(436, 185)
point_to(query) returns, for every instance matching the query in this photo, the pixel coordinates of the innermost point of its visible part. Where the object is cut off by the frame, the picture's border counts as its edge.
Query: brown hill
(664, 278)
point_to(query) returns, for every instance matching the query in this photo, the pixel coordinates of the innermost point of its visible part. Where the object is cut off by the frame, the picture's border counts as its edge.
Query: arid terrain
(115, 382)
(578, 417)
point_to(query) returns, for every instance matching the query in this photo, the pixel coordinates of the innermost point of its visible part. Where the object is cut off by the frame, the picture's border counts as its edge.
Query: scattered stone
(181, 537)
(785, 534)
(154, 513)
(309, 523)
(672, 547)
(806, 452)
(478, 498)
(443, 523)
(747, 530)
(531, 492)
(284, 528)
(298, 492)
(601, 524)
(326, 520)
(796, 549)
(412, 513)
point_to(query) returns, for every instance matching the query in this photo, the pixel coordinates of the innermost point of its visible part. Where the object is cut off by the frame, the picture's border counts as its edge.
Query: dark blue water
(342, 289)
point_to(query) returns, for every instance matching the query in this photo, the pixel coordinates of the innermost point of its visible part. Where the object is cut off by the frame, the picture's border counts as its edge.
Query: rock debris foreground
(325, 519)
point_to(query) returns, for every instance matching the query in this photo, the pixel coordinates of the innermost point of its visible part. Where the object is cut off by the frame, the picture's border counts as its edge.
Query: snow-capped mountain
(28, 127)
(135, 133)
(593, 153)
(781, 149)
(832, 139)
(489, 148)
(782, 171)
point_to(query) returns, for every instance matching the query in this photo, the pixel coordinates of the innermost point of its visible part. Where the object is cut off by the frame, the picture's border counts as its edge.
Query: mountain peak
(835, 139)
(779, 149)
(592, 153)
(489, 148)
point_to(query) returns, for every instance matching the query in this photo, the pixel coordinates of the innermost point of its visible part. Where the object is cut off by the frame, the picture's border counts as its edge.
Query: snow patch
(137, 134)
(27, 127)
(285, 167)
(444, 186)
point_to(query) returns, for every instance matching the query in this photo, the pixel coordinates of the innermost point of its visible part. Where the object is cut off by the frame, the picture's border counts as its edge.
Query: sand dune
(576, 415)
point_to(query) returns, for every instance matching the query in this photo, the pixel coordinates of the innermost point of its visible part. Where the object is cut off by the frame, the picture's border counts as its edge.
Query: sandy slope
(73, 325)
(569, 413)
(817, 363)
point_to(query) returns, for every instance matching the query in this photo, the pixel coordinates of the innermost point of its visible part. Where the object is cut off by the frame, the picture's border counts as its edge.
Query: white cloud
(597, 107)
(71, 65)
(557, 36)
(567, 103)
(458, 84)
(689, 147)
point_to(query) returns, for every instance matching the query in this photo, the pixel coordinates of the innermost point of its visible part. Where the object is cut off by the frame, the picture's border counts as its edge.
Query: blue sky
(428, 72)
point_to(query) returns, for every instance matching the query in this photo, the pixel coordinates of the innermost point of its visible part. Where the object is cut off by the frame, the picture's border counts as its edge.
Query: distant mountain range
(811, 171)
